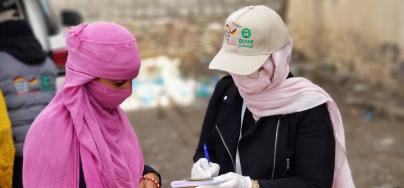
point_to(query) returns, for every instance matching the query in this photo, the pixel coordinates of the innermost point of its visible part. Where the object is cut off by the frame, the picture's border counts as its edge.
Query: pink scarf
(272, 94)
(76, 125)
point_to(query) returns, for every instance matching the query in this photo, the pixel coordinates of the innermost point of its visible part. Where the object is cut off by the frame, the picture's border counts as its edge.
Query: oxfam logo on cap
(246, 33)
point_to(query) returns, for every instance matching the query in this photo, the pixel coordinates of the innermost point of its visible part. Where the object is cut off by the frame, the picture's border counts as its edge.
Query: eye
(119, 82)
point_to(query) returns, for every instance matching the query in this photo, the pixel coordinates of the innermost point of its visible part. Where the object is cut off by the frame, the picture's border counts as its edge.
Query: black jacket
(289, 151)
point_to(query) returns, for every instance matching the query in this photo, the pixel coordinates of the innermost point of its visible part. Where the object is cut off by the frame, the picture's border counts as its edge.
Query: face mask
(108, 98)
(256, 83)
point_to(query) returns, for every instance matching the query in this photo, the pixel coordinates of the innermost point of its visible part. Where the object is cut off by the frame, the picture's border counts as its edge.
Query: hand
(149, 184)
(204, 169)
(232, 180)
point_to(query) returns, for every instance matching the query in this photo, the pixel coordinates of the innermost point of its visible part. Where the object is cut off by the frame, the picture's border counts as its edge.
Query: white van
(48, 28)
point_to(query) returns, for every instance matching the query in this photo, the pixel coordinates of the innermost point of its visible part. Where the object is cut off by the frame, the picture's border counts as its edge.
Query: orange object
(6, 146)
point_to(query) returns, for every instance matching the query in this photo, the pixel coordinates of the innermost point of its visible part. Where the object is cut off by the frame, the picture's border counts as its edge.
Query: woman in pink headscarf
(264, 127)
(82, 138)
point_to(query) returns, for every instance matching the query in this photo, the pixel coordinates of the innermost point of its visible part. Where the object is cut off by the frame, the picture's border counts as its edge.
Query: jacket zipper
(287, 166)
(227, 149)
(275, 147)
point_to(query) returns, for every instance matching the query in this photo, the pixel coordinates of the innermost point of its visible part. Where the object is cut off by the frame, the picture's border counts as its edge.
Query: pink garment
(272, 94)
(76, 125)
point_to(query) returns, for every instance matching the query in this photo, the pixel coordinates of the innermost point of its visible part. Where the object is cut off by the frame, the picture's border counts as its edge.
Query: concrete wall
(152, 9)
(364, 37)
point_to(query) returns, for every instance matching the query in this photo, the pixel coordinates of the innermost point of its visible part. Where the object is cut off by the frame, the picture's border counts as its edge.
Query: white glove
(204, 169)
(232, 180)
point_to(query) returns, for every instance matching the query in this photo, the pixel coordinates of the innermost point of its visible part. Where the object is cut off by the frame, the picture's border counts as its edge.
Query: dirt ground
(375, 146)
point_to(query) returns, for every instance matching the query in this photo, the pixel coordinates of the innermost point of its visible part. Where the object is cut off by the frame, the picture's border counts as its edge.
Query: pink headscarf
(272, 94)
(76, 125)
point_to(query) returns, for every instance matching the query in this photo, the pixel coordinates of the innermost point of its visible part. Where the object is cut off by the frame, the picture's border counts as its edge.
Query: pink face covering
(273, 94)
(108, 98)
(84, 122)
(251, 85)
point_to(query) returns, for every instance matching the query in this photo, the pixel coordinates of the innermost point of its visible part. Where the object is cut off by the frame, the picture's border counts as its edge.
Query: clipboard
(195, 182)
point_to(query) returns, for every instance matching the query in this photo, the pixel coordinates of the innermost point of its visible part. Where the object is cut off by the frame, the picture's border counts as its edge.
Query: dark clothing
(281, 151)
(27, 78)
(18, 40)
(147, 169)
(82, 182)
(27, 90)
(17, 172)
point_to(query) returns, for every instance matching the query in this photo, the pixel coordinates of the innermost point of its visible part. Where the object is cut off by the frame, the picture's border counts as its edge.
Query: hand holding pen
(204, 168)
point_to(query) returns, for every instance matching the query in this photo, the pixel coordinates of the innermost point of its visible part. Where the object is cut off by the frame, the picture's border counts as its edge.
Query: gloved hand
(232, 180)
(204, 169)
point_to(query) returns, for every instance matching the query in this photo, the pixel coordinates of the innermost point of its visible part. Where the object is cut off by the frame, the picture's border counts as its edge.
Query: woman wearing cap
(264, 127)
(82, 138)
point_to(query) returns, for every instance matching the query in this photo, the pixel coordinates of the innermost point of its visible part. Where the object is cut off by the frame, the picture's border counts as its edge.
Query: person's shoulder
(317, 113)
(50, 66)
(55, 113)
(225, 82)
(4, 54)
(318, 108)
(8, 66)
(321, 108)
(6, 57)
(224, 85)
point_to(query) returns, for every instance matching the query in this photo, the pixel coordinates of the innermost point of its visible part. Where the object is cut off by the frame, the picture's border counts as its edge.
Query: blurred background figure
(353, 49)
(27, 77)
(6, 146)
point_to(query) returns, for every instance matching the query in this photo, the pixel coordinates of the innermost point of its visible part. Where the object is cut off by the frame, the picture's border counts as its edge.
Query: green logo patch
(46, 84)
(246, 43)
(246, 33)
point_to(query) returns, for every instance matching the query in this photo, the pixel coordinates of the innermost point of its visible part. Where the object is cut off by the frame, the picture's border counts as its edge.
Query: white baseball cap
(251, 34)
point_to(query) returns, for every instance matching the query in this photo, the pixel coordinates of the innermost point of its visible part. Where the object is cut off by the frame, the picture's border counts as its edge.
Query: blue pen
(205, 149)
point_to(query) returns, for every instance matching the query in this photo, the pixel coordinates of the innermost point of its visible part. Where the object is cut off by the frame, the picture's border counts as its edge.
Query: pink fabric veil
(274, 95)
(74, 125)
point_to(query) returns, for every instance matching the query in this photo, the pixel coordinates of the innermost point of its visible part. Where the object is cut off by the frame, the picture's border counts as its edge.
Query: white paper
(194, 183)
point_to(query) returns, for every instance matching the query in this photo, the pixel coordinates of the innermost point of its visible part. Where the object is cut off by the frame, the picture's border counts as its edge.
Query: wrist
(151, 177)
(255, 184)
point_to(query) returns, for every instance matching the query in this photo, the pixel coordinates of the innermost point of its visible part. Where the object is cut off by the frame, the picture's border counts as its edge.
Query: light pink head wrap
(273, 94)
(74, 125)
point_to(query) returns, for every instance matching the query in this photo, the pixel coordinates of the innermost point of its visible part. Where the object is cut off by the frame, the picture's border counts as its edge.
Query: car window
(51, 19)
